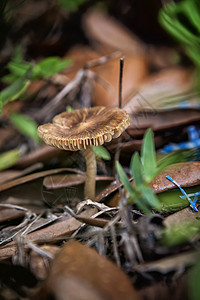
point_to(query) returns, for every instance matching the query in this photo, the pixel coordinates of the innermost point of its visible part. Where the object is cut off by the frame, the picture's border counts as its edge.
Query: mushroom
(82, 129)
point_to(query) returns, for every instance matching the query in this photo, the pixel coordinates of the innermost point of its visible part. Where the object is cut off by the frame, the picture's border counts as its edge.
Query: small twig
(20, 257)
(81, 74)
(12, 206)
(36, 218)
(116, 253)
(56, 100)
(117, 153)
(102, 60)
(130, 240)
(132, 248)
(120, 80)
(88, 202)
(100, 244)
(38, 250)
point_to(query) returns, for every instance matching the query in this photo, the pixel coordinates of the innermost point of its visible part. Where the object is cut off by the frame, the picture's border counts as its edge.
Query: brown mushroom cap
(78, 129)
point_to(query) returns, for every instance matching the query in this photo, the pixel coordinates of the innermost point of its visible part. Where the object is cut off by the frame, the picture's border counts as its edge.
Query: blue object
(197, 194)
(193, 141)
(192, 202)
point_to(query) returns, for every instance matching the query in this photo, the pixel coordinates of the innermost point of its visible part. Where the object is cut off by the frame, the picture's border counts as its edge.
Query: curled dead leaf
(157, 89)
(81, 273)
(109, 32)
(135, 70)
(186, 174)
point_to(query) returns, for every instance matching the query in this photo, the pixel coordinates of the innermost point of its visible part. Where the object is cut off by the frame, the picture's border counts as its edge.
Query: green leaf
(137, 170)
(180, 233)
(8, 159)
(141, 203)
(71, 5)
(14, 90)
(182, 21)
(69, 108)
(148, 156)
(17, 66)
(172, 158)
(2, 6)
(193, 280)
(49, 66)
(171, 201)
(25, 125)
(124, 179)
(101, 152)
(150, 197)
(44, 69)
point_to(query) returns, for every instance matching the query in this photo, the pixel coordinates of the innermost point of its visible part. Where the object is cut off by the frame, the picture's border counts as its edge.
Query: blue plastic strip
(192, 202)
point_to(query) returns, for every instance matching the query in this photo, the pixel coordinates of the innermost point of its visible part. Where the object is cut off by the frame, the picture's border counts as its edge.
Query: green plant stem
(91, 169)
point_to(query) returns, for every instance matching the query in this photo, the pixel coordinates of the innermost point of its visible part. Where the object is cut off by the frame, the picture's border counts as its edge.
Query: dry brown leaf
(176, 290)
(129, 147)
(9, 175)
(42, 154)
(107, 33)
(79, 55)
(158, 87)
(162, 120)
(186, 174)
(31, 177)
(66, 180)
(53, 231)
(135, 70)
(181, 217)
(61, 181)
(81, 273)
(110, 33)
(169, 264)
(7, 214)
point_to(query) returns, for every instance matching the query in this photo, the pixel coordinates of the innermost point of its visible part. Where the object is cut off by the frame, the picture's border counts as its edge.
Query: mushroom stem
(91, 169)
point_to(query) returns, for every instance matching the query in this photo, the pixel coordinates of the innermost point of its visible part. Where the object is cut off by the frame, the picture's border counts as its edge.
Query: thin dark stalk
(120, 80)
(117, 153)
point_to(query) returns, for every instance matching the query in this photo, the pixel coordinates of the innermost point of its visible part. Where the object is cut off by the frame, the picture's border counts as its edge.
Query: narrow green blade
(148, 156)
(137, 170)
(124, 179)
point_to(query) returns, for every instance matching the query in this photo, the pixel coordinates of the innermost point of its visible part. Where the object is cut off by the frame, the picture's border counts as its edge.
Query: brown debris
(7, 214)
(81, 273)
(27, 178)
(186, 174)
(59, 229)
(42, 154)
(156, 89)
(110, 33)
(38, 263)
(162, 121)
